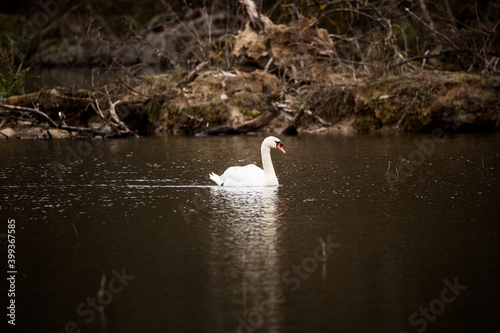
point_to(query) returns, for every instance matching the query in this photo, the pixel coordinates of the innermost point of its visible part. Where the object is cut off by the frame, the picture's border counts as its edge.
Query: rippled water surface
(364, 234)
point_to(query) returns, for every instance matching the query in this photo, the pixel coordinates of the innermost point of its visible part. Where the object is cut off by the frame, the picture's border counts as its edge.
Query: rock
(7, 133)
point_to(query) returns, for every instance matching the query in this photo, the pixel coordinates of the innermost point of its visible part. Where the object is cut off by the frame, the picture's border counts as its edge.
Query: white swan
(252, 175)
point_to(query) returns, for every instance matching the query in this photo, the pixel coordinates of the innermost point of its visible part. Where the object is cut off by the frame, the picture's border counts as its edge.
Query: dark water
(131, 236)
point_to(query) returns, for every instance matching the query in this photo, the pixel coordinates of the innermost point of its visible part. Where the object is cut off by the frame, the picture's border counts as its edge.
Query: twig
(99, 112)
(407, 108)
(190, 76)
(130, 88)
(268, 64)
(422, 57)
(426, 15)
(43, 134)
(120, 124)
(433, 30)
(97, 109)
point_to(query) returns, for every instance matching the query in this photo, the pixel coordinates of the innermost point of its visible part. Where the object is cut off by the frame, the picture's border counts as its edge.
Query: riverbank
(261, 101)
(285, 80)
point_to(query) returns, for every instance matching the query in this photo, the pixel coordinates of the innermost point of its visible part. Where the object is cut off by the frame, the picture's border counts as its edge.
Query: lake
(365, 233)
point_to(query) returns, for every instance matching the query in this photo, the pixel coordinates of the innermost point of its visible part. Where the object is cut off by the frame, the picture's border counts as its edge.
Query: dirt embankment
(287, 71)
(285, 83)
(414, 102)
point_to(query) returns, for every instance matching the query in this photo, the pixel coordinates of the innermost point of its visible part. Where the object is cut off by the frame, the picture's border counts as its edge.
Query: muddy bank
(283, 82)
(409, 103)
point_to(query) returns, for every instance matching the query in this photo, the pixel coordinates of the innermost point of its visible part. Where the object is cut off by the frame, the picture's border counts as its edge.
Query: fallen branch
(122, 129)
(246, 127)
(51, 122)
(195, 71)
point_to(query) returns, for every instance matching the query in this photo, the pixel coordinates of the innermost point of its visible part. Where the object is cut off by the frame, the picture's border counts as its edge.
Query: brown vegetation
(322, 67)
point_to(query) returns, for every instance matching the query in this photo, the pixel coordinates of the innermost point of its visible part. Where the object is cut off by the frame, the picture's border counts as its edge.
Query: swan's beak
(280, 147)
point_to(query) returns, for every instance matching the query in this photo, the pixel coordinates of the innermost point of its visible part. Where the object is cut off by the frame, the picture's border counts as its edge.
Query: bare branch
(433, 30)
(51, 122)
(118, 123)
(256, 21)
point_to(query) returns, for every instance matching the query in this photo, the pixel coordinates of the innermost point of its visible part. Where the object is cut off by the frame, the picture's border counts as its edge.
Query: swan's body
(252, 175)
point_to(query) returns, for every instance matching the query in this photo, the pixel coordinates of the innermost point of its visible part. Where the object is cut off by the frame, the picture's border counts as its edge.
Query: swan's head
(273, 142)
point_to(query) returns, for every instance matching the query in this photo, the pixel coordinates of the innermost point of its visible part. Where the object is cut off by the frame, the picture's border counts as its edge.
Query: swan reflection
(246, 204)
(246, 230)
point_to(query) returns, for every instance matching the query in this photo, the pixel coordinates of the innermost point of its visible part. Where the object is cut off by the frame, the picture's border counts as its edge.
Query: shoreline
(216, 102)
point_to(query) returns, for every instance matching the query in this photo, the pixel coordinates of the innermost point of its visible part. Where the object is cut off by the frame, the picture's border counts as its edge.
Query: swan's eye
(279, 145)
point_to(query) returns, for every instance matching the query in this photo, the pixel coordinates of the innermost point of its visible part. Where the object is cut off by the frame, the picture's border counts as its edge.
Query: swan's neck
(267, 165)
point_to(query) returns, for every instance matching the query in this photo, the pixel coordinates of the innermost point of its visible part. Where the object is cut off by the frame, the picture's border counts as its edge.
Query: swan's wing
(248, 175)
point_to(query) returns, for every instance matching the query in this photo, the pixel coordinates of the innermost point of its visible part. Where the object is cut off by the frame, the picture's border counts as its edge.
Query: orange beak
(280, 147)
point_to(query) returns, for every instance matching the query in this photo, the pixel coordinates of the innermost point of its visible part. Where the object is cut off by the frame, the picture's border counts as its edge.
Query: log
(246, 127)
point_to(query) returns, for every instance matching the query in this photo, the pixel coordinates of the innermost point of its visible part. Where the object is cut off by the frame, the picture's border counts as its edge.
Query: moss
(250, 103)
(208, 112)
(154, 109)
(426, 97)
(12, 84)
